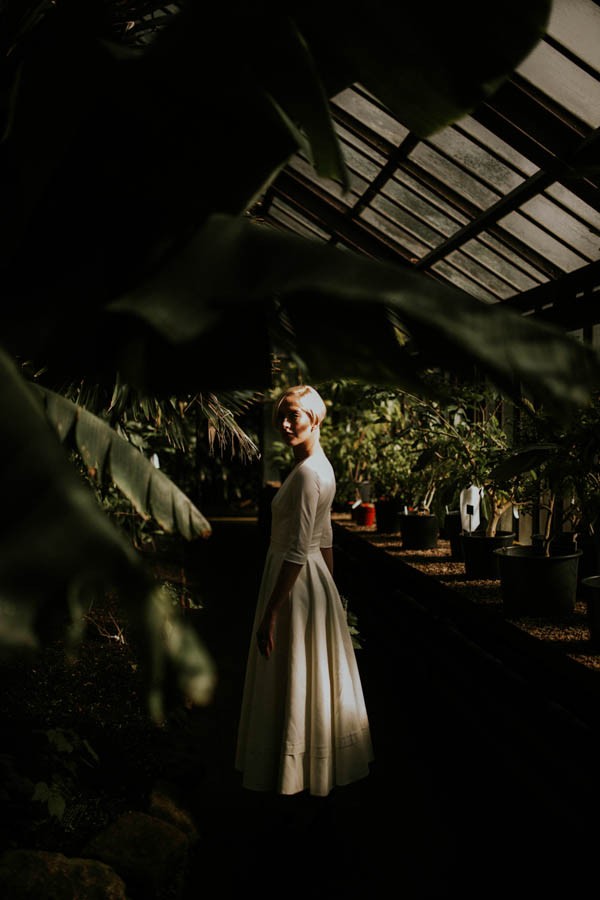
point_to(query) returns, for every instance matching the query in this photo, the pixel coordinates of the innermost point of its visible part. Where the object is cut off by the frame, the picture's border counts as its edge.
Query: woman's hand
(265, 636)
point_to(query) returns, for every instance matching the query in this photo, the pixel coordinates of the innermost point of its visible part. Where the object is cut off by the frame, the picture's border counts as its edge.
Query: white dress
(303, 722)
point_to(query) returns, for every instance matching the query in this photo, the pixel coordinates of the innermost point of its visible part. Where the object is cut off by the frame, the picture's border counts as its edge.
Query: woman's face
(294, 423)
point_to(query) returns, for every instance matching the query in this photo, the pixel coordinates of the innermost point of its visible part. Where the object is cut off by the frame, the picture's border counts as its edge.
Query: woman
(303, 723)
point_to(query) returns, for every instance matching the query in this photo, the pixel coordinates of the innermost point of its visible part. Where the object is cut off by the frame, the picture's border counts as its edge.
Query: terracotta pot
(365, 514)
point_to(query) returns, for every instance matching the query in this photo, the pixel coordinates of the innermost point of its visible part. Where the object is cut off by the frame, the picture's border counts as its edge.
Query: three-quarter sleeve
(304, 501)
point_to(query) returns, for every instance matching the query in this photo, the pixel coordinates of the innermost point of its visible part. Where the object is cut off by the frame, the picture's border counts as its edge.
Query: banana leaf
(106, 454)
(59, 552)
(386, 323)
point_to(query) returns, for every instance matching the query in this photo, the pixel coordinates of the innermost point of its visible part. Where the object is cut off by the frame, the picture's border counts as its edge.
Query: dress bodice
(301, 509)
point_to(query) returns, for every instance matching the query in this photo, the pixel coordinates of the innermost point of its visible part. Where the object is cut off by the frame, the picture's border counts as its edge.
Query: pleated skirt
(303, 721)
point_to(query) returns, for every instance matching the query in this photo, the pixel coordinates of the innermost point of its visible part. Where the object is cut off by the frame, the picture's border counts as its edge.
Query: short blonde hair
(309, 399)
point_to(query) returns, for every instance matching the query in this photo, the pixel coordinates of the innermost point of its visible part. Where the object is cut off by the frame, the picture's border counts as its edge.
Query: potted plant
(464, 432)
(543, 578)
(365, 437)
(418, 522)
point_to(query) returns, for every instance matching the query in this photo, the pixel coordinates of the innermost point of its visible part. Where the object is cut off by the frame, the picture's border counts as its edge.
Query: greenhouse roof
(505, 203)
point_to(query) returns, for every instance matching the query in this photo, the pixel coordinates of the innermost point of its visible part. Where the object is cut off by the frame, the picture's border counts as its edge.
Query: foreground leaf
(106, 454)
(343, 313)
(58, 550)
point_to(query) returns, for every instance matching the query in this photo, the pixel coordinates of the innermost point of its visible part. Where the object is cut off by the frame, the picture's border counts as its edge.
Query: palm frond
(223, 430)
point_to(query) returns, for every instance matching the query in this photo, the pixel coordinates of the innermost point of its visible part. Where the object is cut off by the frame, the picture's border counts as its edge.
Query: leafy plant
(563, 463)
(67, 753)
(465, 441)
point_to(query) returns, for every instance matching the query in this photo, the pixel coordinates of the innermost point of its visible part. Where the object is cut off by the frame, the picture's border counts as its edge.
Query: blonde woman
(303, 723)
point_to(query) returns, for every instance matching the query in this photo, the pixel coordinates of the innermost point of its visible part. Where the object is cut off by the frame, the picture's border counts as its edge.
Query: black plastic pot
(419, 532)
(387, 516)
(478, 554)
(536, 585)
(452, 531)
(589, 564)
(591, 585)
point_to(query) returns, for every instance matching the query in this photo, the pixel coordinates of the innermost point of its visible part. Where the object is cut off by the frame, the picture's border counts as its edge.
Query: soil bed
(569, 634)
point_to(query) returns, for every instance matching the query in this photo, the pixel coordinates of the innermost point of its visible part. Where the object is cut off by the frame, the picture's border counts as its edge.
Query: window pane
(479, 274)
(497, 146)
(407, 222)
(569, 229)
(482, 164)
(449, 174)
(300, 164)
(500, 265)
(436, 218)
(564, 81)
(542, 242)
(403, 239)
(376, 119)
(293, 220)
(456, 278)
(519, 262)
(576, 24)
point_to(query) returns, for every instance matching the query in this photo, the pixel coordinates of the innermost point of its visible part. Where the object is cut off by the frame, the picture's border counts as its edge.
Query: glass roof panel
(508, 253)
(355, 151)
(379, 121)
(576, 24)
(295, 221)
(439, 206)
(391, 230)
(480, 274)
(458, 279)
(408, 222)
(499, 265)
(448, 173)
(564, 81)
(410, 195)
(544, 243)
(567, 228)
(401, 176)
(299, 163)
(497, 146)
(471, 156)
(585, 212)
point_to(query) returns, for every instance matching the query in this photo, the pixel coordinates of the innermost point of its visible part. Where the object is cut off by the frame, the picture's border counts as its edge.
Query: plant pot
(534, 585)
(419, 532)
(478, 554)
(452, 531)
(589, 564)
(365, 514)
(591, 586)
(387, 516)
(364, 491)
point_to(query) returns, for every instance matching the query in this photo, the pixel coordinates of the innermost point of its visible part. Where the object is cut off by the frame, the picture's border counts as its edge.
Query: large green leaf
(58, 551)
(106, 454)
(526, 459)
(430, 62)
(342, 311)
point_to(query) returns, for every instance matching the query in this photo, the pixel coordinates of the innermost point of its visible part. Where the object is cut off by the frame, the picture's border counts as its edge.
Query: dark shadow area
(482, 783)
(486, 746)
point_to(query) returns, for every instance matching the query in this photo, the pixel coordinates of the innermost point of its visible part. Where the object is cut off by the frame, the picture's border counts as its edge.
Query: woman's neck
(303, 451)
